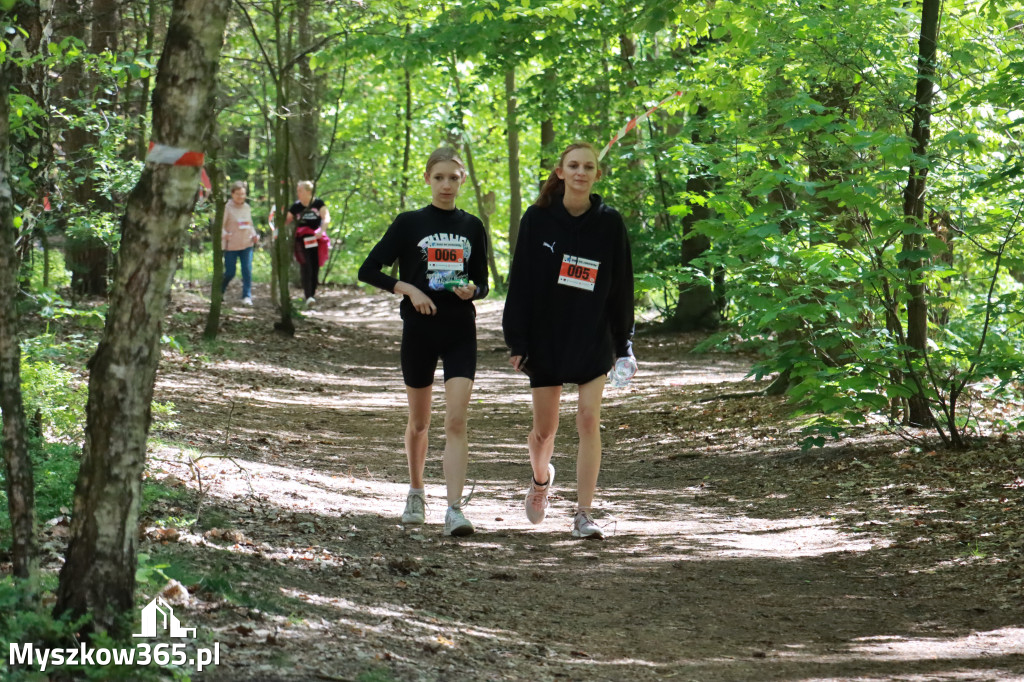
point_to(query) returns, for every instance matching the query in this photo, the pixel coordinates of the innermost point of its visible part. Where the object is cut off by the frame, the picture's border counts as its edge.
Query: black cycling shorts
(425, 338)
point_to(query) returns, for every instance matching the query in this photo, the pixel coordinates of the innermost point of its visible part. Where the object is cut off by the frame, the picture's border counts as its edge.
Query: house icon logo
(159, 614)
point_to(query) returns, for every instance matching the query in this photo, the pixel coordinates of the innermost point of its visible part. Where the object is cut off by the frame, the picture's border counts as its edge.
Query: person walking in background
(568, 316)
(311, 219)
(442, 268)
(238, 238)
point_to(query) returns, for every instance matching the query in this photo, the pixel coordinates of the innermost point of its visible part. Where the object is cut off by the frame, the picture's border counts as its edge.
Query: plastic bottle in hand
(622, 371)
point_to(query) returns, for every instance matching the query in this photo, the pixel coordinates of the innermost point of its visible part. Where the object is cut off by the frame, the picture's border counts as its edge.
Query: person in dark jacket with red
(568, 316)
(311, 219)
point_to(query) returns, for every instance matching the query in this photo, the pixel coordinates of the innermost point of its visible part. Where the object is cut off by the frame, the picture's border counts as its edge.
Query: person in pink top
(238, 238)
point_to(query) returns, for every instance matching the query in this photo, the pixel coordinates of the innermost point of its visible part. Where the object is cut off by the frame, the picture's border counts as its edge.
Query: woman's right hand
(421, 302)
(515, 361)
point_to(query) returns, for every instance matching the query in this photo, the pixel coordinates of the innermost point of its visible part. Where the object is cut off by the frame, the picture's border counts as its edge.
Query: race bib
(578, 273)
(445, 255)
(244, 225)
(310, 242)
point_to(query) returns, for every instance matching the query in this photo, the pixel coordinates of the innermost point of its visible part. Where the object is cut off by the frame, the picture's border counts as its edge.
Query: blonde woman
(311, 219)
(442, 268)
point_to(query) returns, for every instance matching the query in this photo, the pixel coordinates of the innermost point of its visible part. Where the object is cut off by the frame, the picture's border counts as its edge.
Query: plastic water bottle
(622, 372)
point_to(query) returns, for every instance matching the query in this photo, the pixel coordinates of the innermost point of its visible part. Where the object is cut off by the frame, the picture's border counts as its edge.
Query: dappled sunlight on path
(716, 565)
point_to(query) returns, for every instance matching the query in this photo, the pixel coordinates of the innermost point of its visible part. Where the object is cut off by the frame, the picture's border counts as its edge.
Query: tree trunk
(697, 305)
(214, 167)
(285, 237)
(33, 83)
(88, 255)
(18, 466)
(485, 217)
(98, 576)
(913, 213)
(482, 209)
(280, 180)
(515, 188)
(403, 186)
(306, 110)
(547, 132)
(143, 104)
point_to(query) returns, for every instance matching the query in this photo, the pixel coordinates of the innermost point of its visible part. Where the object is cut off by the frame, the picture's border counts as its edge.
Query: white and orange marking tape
(173, 156)
(632, 124)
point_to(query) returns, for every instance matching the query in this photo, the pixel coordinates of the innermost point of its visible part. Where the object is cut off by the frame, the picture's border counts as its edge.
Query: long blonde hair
(554, 185)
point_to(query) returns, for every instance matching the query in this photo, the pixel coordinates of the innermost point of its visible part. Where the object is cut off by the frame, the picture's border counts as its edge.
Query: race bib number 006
(578, 273)
(445, 255)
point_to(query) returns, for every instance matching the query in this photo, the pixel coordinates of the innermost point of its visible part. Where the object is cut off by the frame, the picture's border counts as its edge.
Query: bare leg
(456, 449)
(416, 432)
(541, 442)
(588, 424)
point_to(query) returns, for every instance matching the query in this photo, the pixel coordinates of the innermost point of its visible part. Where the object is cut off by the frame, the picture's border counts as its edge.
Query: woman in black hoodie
(568, 316)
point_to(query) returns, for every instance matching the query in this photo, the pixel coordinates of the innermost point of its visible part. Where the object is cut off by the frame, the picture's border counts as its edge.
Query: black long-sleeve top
(569, 307)
(433, 246)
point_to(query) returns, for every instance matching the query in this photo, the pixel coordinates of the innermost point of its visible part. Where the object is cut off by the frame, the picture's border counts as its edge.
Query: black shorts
(544, 377)
(545, 381)
(425, 338)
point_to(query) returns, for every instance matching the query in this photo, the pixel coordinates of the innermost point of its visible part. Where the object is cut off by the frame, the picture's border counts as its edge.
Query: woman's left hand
(466, 292)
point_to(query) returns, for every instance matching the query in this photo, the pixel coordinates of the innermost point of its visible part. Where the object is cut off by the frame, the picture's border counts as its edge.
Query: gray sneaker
(583, 526)
(536, 501)
(456, 524)
(415, 509)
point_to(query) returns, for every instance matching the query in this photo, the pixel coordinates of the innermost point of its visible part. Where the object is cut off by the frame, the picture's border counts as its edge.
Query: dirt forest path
(731, 554)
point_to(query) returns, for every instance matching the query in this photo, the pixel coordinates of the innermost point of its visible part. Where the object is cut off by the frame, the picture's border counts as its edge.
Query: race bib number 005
(578, 273)
(445, 255)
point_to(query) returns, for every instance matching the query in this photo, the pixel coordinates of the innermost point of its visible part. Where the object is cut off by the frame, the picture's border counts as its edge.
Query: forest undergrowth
(277, 476)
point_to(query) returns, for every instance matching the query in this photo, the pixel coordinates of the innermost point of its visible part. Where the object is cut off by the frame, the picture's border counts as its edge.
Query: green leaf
(913, 255)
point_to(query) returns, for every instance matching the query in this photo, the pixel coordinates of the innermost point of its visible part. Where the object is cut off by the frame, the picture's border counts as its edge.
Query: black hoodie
(410, 238)
(570, 299)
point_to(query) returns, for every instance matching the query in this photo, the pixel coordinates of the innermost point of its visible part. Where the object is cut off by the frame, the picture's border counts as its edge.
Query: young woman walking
(442, 268)
(568, 316)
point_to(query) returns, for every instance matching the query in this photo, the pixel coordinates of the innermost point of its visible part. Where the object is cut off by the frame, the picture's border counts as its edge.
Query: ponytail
(552, 187)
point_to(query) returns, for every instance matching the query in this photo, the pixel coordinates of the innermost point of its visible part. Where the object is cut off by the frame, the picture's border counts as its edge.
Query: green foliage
(774, 182)
(376, 674)
(55, 469)
(56, 397)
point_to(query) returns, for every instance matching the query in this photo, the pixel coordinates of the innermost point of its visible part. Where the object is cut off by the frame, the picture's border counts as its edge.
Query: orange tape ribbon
(173, 156)
(632, 124)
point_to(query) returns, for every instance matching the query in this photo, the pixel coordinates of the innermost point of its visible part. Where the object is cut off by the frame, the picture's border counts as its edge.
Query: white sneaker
(310, 302)
(536, 501)
(583, 526)
(246, 301)
(456, 524)
(415, 509)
